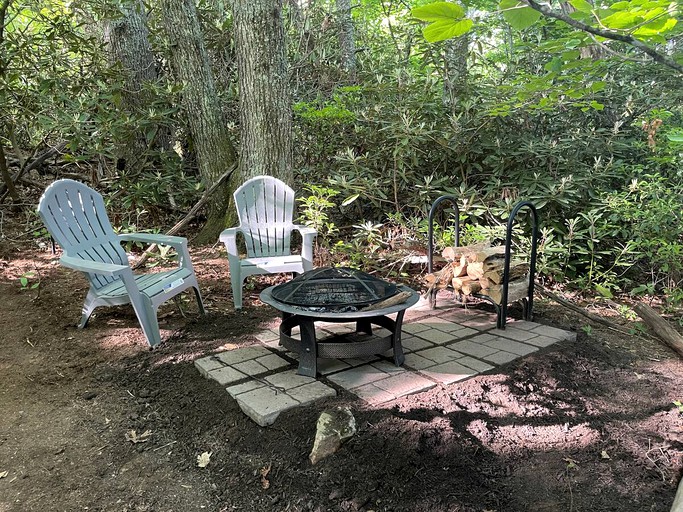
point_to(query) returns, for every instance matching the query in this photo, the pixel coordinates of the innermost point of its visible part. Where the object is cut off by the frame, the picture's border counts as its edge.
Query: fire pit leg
(364, 325)
(308, 355)
(399, 358)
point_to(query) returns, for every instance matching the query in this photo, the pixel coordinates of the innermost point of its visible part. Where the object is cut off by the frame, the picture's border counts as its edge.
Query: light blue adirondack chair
(265, 207)
(75, 217)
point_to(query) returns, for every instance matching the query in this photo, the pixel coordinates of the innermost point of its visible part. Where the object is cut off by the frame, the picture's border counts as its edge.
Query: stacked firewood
(478, 269)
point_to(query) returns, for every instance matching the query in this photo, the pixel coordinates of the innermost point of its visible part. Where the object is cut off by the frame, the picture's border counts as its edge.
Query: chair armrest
(305, 230)
(153, 238)
(229, 238)
(229, 233)
(96, 267)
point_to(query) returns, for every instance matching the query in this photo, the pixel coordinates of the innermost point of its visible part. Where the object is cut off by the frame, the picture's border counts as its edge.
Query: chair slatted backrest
(75, 216)
(265, 206)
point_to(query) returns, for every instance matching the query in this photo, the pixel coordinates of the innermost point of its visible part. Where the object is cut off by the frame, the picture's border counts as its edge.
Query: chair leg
(200, 302)
(147, 316)
(236, 280)
(144, 310)
(89, 306)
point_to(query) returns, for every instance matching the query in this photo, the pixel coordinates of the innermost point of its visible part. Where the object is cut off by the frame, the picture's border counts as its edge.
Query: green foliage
(518, 14)
(446, 20)
(29, 281)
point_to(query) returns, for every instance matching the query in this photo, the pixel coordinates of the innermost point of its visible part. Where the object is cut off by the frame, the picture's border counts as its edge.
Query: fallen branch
(190, 215)
(577, 309)
(660, 327)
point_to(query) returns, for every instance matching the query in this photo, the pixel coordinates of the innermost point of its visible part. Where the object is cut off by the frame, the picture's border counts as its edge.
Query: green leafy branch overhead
(446, 20)
(642, 24)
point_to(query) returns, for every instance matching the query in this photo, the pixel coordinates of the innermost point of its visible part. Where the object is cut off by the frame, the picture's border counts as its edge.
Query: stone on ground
(333, 429)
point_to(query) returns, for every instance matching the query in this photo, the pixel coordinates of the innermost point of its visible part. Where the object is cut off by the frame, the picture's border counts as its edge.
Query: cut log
(660, 327)
(449, 253)
(460, 269)
(454, 253)
(460, 282)
(516, 290)
(399, 298)
(486, 282)
(471, 287)
(486, 253)
(517, 269)
(475, 270)
(494, 262)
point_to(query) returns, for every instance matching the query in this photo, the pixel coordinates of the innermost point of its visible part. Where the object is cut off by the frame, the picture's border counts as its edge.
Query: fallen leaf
(3, 474)
(603, 454)
(133, 436)
(264, 476)
(571, 463)
(203, 459)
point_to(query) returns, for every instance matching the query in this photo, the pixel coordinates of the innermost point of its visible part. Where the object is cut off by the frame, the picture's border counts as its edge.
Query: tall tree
(345, 33)
(4, 172)
(265, 110)
(127, 40)
(210, 137)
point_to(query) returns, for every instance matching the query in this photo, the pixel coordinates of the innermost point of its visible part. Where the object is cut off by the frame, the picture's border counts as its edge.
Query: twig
(164, 446)
(193, 211)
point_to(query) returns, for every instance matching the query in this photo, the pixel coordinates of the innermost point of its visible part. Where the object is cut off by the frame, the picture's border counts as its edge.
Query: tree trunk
(210, 137)
(455, 71)
(345, 34)
(265, 110)
(127, 39)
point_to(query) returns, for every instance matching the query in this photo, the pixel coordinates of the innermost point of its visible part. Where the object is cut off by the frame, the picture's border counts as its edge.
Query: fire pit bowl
(339, 295)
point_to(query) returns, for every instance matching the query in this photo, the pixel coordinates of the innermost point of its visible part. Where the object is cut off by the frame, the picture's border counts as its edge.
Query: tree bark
(455, 71)
(345, 34)
(660, 327)
(127, 39)
(210, 137)
(265, 110)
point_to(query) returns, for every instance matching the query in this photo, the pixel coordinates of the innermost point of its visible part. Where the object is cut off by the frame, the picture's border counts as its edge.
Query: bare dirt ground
(584, 426)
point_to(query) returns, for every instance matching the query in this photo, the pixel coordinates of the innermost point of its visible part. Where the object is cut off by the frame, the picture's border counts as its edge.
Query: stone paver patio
(442, 346)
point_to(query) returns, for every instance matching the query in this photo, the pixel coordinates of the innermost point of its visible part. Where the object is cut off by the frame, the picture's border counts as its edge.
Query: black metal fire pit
(339, 295)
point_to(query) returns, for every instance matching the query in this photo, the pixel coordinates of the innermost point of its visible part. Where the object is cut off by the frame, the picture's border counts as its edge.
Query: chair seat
(150, 285)
(271, 264)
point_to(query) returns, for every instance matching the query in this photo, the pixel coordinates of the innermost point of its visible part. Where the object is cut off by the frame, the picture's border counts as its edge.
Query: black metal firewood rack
(502, 308)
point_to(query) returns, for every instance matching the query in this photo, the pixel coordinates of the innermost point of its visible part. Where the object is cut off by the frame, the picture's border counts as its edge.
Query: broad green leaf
(656, 27)
(620, 6)
(438, 11)
(675, 137)
(581, 5)
(597, 106)
(446, 29)
(621, 19)
(518, 15)
(554, 65)
(23, 282)
(605, 292)
(598, 86)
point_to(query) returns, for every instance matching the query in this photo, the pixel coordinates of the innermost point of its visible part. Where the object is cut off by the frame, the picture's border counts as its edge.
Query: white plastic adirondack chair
(265, 206)
(74, 215)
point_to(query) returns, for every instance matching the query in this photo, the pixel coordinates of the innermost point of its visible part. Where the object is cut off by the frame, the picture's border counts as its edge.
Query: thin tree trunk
(345, 34)
(6, 178)
(210, 136)
(455, 74)
(4, 171)
(265, 110)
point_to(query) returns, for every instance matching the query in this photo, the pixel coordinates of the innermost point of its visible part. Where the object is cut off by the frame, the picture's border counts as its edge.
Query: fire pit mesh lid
(331, 287)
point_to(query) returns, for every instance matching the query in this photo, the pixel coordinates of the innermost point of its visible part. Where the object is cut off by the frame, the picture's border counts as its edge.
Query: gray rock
(333, 429)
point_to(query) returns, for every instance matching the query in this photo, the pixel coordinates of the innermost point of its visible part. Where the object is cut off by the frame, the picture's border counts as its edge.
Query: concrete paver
(441, 346)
